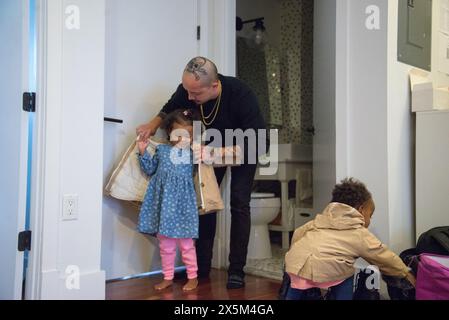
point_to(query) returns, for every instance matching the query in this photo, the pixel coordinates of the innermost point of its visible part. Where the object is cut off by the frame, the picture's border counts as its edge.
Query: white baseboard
(56, 286)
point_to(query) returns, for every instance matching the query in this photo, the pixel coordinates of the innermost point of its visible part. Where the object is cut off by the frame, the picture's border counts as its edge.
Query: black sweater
(239, 108)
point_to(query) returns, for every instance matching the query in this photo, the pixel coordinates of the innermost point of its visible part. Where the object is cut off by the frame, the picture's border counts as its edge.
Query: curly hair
(181, 116)
(351, 192)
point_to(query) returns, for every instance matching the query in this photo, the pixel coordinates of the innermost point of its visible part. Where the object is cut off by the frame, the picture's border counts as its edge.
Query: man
(224, 103)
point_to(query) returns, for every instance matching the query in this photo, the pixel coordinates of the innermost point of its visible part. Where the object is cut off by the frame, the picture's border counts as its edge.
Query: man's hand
(148, 130)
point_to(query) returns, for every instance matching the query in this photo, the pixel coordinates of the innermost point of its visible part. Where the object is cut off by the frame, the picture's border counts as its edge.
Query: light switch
(70, 207)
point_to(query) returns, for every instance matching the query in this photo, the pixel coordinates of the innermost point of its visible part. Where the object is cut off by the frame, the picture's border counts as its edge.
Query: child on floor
(323, 251)
(169, 209)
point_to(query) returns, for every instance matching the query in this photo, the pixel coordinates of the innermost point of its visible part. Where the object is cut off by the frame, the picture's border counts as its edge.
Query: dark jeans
(242, 178)
(343, 291)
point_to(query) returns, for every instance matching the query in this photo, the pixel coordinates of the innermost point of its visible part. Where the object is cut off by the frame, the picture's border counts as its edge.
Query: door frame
(34, 271)
(218, 17)
(338, 148)
(45, 179)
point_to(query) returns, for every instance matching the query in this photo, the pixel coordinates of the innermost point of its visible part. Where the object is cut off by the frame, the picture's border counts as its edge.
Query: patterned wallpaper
(251, 70)
(297, 70)
(282, 78)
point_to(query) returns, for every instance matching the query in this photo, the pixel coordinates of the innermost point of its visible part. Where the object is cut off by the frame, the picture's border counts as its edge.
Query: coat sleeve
(149, 163)
(301, 231)
(376, 253)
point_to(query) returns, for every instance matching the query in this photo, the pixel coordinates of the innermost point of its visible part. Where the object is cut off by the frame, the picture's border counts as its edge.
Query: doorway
(274, 57)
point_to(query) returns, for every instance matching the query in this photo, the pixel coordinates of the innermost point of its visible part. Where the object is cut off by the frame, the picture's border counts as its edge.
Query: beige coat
(326, 248)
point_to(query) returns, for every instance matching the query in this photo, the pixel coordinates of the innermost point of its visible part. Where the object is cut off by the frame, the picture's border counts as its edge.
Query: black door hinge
(29, 101)
(198, 33)
(24, 241)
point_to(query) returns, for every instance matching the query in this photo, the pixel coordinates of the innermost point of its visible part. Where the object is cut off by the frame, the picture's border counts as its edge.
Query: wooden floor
(212, 289)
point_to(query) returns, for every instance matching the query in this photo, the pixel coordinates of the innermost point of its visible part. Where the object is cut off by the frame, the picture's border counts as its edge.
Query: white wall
(401, 137)
(269, 9)
(367, 107)
(401, 132)
(69, 160)
(378, 125)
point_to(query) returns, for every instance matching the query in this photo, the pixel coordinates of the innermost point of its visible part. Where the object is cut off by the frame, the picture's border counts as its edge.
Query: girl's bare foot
(190, 285)
(163, 285)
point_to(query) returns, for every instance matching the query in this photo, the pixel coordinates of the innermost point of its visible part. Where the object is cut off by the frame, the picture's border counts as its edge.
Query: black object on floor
(399, 288)
(362, 292)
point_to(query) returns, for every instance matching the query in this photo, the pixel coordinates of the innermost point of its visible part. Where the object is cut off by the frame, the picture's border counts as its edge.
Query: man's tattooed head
(196, 66)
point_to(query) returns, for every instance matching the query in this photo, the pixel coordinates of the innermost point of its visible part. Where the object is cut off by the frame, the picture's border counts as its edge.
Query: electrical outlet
(70, 207)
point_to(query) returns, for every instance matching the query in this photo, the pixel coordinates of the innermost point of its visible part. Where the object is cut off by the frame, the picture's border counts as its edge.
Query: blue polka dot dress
(169, 207)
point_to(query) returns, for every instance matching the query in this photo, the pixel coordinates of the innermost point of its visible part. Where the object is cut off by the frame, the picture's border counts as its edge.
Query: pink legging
(167, 247)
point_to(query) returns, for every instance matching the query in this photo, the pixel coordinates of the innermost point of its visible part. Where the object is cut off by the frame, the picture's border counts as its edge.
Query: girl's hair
(352, 192)
(184, 117)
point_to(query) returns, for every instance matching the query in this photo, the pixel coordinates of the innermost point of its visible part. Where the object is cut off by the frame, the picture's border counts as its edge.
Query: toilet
(264, 208)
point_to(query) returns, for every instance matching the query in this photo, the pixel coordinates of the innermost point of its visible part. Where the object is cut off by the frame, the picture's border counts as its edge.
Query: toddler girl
(169, 209)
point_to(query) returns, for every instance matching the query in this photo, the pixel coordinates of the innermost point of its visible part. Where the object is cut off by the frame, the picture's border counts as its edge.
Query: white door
(148, 44)
(13, 142)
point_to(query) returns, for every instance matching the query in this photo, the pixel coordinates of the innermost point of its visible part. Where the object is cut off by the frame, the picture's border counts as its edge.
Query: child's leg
(167, 248)
(294, 294)
(188, 251)
(343, 291)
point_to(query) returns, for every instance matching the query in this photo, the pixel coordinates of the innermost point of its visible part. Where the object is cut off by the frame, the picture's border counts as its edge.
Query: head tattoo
(196, 67)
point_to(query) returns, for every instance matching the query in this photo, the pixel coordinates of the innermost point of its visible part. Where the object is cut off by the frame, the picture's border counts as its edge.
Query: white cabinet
(432, 170)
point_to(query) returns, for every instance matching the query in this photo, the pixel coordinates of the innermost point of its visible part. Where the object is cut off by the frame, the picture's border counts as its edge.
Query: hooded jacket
(325, 249)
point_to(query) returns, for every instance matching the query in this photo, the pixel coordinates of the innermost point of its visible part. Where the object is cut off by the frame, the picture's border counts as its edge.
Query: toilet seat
(257, 195)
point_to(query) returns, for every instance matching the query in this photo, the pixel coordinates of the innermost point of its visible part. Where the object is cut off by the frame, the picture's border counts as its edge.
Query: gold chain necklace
(214, 110)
